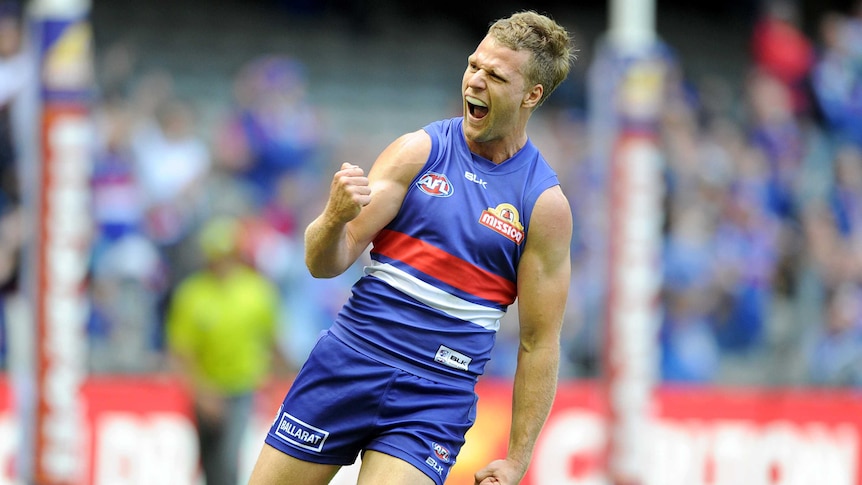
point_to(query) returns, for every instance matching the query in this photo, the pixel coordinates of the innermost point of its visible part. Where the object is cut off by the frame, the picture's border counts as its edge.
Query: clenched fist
(348, 194)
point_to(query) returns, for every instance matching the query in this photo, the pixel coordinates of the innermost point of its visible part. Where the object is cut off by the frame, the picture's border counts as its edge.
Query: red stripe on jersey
(447, 268)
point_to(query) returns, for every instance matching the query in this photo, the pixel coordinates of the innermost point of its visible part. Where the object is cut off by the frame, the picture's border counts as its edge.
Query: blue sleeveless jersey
(444, 271)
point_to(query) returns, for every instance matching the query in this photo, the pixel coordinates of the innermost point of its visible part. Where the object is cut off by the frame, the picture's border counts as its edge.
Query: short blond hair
(548, 41)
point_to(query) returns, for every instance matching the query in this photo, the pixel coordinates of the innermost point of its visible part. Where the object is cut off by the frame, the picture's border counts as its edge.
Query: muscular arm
(543, 284)
(359, 207)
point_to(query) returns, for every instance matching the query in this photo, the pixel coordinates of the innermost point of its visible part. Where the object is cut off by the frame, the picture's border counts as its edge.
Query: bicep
(389, 179)
(544, 271)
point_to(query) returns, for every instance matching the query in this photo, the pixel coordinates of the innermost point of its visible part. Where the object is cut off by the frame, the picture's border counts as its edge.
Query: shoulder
(553, 203)
(413, 145)
(403, 158)
(552, 216)
(190, 291)
(443, 127)
(193, 284)
(548, 247)
(417, 146)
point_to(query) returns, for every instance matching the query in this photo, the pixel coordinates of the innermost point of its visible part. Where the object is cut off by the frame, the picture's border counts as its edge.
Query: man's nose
(477, 79)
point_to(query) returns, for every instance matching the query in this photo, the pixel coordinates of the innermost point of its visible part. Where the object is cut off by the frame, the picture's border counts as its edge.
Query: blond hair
(548, 41)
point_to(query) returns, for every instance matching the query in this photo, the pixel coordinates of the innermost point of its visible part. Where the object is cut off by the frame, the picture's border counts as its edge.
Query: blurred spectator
(689, 250)
(116, 70)
(776, 133)
(13, 235)
(837, 78)
(17, 71)
(172, 161)
(15, 65)
(853, 34)
(689, 349)
(845, 197)
(273, 129)
(833, 226)
(781, 50)
(747, 245)
(129, 275)
(124, 329)
(829, 253)
(835, 355)
(221, 329)
(118, 204)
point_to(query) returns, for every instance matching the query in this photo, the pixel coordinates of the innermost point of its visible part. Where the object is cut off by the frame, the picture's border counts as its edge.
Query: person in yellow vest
(221, 336)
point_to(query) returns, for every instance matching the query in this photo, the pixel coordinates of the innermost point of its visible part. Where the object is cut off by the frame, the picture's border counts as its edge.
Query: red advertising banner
(697, 436)
(141, 431)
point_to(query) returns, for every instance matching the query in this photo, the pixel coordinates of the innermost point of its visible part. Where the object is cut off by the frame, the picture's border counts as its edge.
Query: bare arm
(359, 207)
(543, 284)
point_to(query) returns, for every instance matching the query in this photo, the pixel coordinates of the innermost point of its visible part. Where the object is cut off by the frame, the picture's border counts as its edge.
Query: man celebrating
(463, 216)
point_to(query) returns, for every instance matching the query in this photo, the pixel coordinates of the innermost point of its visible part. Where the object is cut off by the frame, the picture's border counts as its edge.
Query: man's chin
(472, 134)
(473, 128)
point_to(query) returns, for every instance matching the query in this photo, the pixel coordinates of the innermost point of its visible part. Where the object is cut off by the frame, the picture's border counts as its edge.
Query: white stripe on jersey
(434, 297)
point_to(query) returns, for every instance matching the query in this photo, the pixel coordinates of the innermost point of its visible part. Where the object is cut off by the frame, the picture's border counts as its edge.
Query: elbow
(321, 271)
(316, 271)
(547, 345)
(319, 274)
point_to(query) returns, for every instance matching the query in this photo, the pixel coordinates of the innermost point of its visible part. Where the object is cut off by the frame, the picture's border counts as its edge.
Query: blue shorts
(343, 402)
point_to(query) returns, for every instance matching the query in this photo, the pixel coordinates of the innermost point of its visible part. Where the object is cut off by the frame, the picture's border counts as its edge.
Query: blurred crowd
(159, 181)
(762, 261)
(762, 253)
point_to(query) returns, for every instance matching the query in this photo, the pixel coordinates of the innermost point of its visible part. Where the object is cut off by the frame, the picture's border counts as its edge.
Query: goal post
(627, 82)
(57, 209)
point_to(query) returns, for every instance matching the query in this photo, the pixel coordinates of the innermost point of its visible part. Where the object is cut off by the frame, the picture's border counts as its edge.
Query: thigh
(276, 468)
(329, 413)
(382, 469)
(424, 423)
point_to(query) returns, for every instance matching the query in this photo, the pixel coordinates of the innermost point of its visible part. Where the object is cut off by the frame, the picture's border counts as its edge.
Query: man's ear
(533, 96)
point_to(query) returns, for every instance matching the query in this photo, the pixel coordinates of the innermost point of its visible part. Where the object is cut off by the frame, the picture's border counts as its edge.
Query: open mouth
(477, 108)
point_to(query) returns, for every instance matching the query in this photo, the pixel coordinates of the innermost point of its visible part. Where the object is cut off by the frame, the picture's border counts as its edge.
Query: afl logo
(441, 453)
(435, 184)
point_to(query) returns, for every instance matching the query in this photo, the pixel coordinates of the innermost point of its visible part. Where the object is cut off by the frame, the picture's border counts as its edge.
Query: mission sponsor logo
(435, 184)
(504, 220)
(451, 358)
(301, 434)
